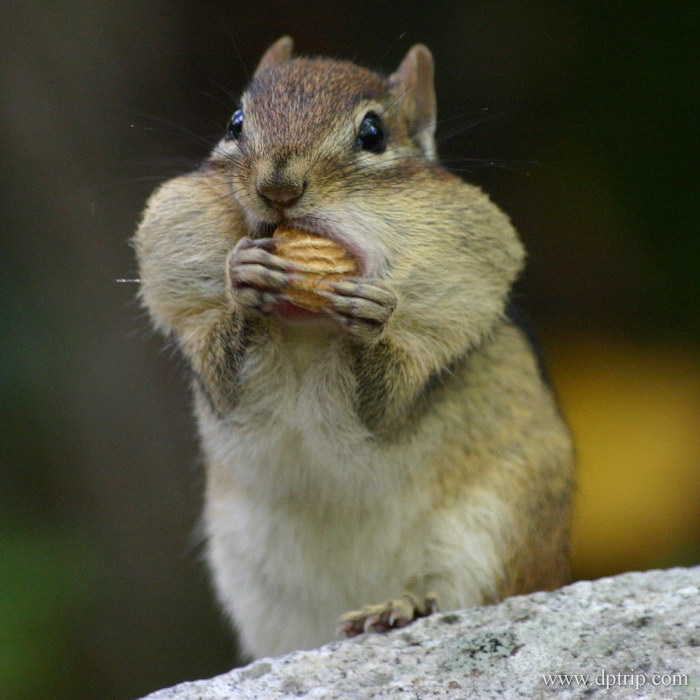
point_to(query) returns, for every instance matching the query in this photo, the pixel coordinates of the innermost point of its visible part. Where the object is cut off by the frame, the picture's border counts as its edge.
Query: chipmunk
(397, 452)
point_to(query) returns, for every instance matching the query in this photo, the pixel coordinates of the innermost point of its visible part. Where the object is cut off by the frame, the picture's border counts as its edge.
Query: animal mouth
(263, 229)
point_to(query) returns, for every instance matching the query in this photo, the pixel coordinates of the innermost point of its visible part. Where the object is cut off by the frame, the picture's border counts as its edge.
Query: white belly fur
(309, 518)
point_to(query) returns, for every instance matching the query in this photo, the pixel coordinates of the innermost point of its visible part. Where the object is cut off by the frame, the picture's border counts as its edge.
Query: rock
(631, 636)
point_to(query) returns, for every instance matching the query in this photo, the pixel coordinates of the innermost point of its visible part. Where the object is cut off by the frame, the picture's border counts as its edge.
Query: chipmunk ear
(279, 52)
(413, 85)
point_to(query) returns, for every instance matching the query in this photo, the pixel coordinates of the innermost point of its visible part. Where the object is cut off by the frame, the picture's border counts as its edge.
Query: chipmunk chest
(306, 344)
(294, 432)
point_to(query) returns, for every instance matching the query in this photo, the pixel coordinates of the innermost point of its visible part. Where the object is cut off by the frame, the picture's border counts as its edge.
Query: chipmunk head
(312, 133)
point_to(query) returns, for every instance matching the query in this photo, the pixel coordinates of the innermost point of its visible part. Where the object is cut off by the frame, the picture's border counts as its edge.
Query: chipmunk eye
(235, 125)
(370, 136)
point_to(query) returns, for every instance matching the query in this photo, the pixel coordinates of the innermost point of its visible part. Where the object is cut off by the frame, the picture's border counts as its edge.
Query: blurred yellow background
(634, 409)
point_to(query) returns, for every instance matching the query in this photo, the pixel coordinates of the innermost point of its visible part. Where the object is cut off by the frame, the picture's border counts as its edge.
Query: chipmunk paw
(361, 308)
(390, 615)
(256, 276)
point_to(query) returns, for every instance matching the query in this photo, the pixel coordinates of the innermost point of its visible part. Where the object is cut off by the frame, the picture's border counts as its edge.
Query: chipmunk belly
(286, 572)
(300, 525)
(308, 517)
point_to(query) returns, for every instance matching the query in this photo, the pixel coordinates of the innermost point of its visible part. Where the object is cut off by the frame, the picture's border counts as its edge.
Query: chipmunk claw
(362, 309)
(256, 276)
(393, 614)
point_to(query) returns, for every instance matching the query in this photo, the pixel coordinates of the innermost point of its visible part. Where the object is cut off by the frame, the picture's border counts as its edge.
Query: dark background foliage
(576, 117)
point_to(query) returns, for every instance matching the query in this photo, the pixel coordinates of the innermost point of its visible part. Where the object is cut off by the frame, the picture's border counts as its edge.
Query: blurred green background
(576, 117)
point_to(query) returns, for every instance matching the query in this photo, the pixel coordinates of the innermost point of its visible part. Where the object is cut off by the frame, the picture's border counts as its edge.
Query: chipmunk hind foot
(393, 614)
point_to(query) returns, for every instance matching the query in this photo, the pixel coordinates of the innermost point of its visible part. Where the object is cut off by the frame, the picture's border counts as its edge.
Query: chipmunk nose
(281, 193)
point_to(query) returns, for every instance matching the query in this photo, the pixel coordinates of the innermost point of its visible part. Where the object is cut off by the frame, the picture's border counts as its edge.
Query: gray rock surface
(631, 636)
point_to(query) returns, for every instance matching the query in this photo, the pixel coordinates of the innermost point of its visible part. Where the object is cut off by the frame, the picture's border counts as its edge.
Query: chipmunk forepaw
(362, 309)
(393, 614)
(256, 276)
